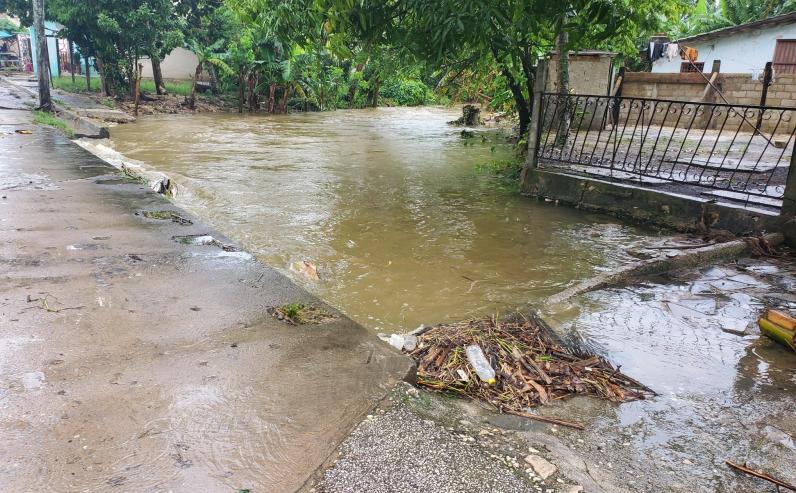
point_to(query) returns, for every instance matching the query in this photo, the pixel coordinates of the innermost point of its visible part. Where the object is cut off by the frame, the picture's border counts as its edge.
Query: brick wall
(739, 89)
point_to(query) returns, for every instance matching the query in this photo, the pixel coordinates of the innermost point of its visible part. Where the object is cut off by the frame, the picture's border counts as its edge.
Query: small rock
(542, 466)
(576, 488)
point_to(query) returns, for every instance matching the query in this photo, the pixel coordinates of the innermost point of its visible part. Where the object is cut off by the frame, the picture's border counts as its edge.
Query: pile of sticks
(531, 367)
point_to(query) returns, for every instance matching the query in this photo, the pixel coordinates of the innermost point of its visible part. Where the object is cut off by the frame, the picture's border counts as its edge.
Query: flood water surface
(402, 216)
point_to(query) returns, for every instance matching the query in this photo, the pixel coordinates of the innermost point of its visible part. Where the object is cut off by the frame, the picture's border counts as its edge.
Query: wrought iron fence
(740, 153)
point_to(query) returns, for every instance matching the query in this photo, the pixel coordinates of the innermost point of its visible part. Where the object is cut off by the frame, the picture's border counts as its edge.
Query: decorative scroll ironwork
(741, 153)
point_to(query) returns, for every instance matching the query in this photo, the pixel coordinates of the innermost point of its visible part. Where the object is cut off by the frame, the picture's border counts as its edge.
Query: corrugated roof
(727, 31)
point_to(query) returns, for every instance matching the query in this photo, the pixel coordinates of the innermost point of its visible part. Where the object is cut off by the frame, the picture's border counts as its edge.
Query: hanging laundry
(689, 54)
(755, 74)
(672, 51)
(657, 51)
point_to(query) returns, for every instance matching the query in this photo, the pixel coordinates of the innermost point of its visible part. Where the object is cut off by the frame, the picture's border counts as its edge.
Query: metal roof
(727, 31)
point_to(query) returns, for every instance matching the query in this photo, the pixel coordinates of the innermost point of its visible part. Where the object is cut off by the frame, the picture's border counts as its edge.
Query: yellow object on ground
(782, 319)
(779, 334)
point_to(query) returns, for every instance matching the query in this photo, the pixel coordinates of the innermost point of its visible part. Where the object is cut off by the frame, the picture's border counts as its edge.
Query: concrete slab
(133, 362)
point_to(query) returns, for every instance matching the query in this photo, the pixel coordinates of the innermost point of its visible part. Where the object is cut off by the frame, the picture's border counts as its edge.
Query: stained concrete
(132, 362)
(668, 210)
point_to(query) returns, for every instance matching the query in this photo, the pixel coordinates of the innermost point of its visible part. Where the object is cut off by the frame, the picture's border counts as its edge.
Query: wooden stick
(760, 475)
(545, 419)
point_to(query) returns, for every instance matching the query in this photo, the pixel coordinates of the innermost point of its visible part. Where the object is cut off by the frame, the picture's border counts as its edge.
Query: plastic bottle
(479, 362)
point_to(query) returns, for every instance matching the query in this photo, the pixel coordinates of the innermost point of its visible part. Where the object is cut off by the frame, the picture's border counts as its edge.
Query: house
(60, 60)
(742, 49)
(180, 64)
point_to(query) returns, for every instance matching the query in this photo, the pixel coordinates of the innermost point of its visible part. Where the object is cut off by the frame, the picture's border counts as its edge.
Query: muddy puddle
(725, 392)
(399, 213)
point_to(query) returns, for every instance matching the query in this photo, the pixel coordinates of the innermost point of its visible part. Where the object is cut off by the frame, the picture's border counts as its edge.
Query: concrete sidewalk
(131, 361)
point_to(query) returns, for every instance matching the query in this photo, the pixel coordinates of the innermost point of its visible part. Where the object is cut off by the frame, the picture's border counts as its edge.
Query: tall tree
(45, 102)
(512, 35)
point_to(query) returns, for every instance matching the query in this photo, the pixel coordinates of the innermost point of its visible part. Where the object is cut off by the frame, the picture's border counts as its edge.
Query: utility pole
(45, 102)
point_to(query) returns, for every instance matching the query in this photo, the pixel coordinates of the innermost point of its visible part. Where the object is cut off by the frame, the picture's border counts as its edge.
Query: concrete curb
(665, 209)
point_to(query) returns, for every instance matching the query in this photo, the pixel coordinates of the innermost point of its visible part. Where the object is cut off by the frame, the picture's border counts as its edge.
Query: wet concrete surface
(133, 362)
(725, 391)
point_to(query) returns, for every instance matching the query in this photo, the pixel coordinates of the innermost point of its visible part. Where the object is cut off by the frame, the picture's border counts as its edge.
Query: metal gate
(735, 152)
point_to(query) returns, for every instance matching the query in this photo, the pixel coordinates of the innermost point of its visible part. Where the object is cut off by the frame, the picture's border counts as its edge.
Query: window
(686, 67)
(785, 56)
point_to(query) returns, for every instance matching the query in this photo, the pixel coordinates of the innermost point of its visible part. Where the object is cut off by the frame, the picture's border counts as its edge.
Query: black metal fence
(739, 153)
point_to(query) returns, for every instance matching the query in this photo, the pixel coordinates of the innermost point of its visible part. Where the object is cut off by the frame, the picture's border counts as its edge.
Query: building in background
(742, 49)
(180, 64)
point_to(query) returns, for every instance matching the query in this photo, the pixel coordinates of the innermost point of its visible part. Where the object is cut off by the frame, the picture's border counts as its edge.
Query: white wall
(739, 53)
(180, 64)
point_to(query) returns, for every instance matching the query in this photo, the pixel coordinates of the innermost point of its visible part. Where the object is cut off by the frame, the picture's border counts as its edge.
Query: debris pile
(531, 368)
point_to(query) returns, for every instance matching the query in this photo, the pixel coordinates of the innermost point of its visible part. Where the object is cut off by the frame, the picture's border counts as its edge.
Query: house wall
(180, 64)
(588, 74)
(740, 52)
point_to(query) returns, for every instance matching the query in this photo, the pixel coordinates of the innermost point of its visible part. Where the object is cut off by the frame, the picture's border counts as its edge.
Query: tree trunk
(563, 89)
(157, 75)
(88, 74)
(241, 89)
(106, 90)
(72, 60)
(352, 91)
(45, 102)
(57, 57)
(138, 88)
(285, 97)
(254, 102)
(271, 97)
(374, 97)
(211, 72)
(192, 100)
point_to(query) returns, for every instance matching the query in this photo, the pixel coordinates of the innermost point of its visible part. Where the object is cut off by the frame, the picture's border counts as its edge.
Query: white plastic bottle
(479, 362)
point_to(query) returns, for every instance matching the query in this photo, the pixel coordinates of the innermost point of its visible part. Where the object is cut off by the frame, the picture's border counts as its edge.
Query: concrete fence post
(789, 198)
(534, 129)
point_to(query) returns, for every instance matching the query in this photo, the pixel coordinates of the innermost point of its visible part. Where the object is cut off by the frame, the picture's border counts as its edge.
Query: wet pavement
(130, 361)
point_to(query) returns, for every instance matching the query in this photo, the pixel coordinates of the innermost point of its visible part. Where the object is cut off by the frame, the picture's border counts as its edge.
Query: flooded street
(397, 212)
(407, 226)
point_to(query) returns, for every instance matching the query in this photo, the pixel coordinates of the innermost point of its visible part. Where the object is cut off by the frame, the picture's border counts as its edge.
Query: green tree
(512, 35)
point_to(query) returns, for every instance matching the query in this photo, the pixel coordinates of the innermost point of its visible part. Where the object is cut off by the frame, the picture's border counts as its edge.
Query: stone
(542, 466)
(575, 488)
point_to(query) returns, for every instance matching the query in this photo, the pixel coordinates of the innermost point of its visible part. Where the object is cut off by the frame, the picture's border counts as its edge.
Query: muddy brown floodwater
(407, 226)
(396, 209)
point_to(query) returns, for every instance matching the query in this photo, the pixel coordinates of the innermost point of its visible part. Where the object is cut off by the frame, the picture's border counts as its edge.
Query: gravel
(398, 451)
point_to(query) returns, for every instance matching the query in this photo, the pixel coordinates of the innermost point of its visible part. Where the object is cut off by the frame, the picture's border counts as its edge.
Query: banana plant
(206, 55)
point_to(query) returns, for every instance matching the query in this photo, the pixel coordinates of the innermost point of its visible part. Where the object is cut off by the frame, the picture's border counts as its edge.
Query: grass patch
(44, 118)
(65, 83)
(182, 88)
(509, 168)
(298, 313)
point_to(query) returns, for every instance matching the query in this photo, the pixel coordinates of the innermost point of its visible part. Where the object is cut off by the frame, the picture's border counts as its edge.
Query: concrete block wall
(739, 89)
